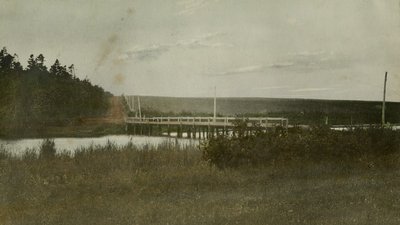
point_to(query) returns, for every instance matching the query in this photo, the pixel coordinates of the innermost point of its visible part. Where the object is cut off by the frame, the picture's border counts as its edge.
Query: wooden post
(189, 134)
(140, 109)
(215, 104)
(133, 103)
(179, 131)
(384, 101)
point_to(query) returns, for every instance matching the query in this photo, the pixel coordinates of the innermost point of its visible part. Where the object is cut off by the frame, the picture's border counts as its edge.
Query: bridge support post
(200, 131)
(188, 131)
(179, 131)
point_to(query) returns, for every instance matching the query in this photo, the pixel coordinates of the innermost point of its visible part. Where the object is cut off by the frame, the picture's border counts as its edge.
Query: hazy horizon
(238, 97)
(336, 50)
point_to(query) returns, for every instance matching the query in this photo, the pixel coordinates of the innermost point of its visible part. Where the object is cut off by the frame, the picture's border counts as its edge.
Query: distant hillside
(297, 110)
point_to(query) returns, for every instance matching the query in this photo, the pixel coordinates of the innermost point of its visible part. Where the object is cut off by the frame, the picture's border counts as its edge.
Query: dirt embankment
(115, 115)
(111, 123)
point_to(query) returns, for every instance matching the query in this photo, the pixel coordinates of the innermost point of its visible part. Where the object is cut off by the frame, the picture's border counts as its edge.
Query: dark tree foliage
(38, 97)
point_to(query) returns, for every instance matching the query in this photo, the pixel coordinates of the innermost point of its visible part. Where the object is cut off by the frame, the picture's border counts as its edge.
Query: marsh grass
(358, 147)
(171, 184)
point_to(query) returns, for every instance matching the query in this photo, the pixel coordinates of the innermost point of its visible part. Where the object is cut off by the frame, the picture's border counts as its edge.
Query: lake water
(19, 146)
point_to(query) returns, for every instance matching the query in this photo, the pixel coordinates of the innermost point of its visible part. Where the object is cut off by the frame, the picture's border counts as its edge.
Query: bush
(4, 154)
(47, 149)
(374, 146)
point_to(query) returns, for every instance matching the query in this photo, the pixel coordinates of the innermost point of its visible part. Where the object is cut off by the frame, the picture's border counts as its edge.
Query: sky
(319, 49)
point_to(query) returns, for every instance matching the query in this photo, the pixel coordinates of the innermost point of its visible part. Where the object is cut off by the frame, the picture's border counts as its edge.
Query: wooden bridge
(197, 127)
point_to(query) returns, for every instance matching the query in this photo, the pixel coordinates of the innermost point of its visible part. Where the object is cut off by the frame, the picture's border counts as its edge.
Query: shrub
(4, 154)
(47, 149)
(318, 145)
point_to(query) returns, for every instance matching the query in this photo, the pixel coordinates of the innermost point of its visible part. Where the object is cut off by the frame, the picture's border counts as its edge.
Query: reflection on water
(17, 147)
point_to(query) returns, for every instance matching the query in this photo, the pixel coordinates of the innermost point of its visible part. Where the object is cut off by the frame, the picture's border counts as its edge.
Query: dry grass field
(171, 185)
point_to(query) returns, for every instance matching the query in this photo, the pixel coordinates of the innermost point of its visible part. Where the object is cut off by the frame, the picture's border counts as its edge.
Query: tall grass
(172, 184)
(361, 147)
(100, 183)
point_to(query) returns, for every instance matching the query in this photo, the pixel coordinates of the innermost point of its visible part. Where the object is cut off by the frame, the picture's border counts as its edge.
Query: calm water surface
(19, 146)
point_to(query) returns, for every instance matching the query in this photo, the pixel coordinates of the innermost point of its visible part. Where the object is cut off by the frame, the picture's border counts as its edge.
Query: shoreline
(78, 131)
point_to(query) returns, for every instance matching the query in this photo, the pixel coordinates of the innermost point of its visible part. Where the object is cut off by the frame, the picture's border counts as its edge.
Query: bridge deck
(209, 121)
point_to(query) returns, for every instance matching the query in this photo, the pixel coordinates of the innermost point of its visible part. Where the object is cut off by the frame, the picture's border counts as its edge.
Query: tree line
(35, 96)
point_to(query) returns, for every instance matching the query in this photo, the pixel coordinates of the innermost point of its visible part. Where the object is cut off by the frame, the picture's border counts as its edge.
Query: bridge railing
(224, 121)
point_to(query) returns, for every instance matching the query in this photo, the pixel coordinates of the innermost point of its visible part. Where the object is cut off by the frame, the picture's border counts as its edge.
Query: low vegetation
(357, 147)
(301, 177)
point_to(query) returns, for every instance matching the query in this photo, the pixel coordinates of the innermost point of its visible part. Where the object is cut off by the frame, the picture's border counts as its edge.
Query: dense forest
(35, 97)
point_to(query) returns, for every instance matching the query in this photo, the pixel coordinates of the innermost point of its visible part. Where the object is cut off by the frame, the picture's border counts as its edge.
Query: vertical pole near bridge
(384, 101)
(215, 104)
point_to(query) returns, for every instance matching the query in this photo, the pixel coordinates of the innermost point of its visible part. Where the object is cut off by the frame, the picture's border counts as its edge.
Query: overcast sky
(338, 49)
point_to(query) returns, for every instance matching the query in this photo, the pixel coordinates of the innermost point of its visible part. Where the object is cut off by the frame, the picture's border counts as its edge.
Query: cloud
(305, 61)
(271, 87)
(317, 60)
(189, 7)
(251, 69)
(311, 89)
(203, 41)
(307, 53)
(156, 50)
(240, 70)
(146, 53)
(281, 65)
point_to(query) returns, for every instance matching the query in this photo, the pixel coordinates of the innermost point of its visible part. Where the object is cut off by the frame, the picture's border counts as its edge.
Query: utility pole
(215, 103)
(140, 110)
(133, 103)
(129, 101)
(384, 101)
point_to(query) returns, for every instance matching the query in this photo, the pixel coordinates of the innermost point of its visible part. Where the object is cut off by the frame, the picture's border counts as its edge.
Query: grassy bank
(85, 130)
(171, 185)
(110, 123)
